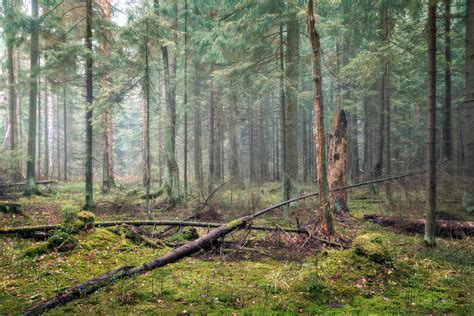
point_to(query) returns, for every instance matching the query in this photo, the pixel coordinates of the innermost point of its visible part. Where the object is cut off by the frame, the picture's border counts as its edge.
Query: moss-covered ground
(409, 279)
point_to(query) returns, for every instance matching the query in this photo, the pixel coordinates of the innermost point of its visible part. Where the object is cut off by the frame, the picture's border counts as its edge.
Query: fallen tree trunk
(181, 252)
(186, 250)
(19, 184)
(443, 227)
(27, 230)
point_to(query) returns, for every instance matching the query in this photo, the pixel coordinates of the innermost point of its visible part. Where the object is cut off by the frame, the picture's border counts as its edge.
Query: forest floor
(273, 273)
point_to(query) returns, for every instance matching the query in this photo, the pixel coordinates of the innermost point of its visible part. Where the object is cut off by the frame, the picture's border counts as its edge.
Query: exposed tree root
(443, 227)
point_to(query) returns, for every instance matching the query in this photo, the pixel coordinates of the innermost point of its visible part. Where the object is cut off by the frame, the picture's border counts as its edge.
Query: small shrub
(313, 283)
(68, 213)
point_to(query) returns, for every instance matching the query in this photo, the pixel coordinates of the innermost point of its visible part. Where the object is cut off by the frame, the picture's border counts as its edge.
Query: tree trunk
(212, 139)
(443, 228)
(234, 159)
(381, 138)
(355, 170)
(386, 104)
(468, 137)
(30, 187)
(12, 110)
(366, 140)
(147, 157)
(282, 114)
(305, 140)
(197, 136)
(38, 120)
(325, 213)
(185, 149)
(251, 129)
(447, 134)
(46, 132)
(58, 137)
(89, 109)
(65, 140)
(170, 131)
(430, 226)
(218, 138)
(338, 162)
(108, 178)
(290, 176)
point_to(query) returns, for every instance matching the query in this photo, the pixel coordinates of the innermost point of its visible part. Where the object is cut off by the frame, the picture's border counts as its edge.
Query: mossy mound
(83, 220)
(102, 238)
(373, 247)
(62, 241)
(37, 249)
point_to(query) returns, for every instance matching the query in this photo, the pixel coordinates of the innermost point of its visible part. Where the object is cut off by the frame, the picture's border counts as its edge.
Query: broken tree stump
(337, 162)
(443, 227)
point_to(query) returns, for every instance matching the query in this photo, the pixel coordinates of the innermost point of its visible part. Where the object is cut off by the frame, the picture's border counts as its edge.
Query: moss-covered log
(443, 227)
(28, 230)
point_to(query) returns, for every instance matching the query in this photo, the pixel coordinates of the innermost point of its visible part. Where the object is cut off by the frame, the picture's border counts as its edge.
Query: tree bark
(46, 132)
(468, 135)
(337, 165)
(325, 213)
(430, 226)
(447, 134)
(234, 158)
(443, 227)
(89, 108)
(65, 132)
(30, 188)
(212, 139)
(185, 149)
(197, 139)
(38, 120)
(282, 114)
(108, 177)
(12, 110)
(290, 176)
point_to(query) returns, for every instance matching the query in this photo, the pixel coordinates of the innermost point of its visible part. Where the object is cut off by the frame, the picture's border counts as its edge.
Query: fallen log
(19, 184)
(443, 227)
(9, 207)
(27, 230)
(179, 253)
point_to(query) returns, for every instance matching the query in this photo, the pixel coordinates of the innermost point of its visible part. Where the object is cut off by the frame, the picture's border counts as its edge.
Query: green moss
(83, 220)
(373, 247)
(62, 241)
(190, 233)
(37, 249)
(88, 218)
(234, 223)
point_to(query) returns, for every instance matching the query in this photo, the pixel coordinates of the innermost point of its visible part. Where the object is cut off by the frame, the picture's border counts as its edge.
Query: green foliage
(68, 212)
(313, 283)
